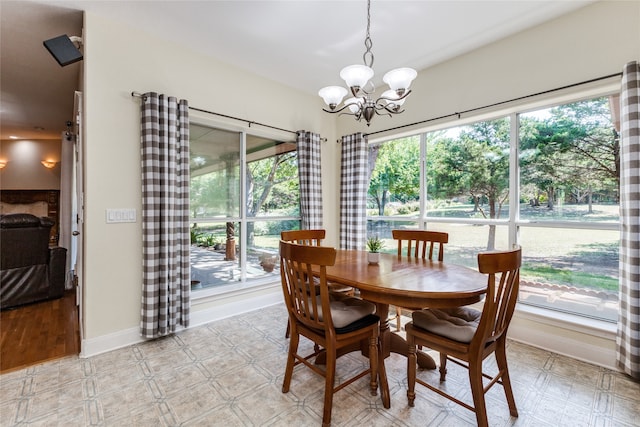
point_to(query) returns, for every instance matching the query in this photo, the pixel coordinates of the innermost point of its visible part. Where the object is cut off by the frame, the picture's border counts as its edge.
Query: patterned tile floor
(229, 373)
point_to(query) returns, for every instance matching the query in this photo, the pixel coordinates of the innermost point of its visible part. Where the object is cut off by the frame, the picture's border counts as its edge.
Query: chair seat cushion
(367, 320)
(335, 288)
(339, 288)
(346, 310)
(458, 324)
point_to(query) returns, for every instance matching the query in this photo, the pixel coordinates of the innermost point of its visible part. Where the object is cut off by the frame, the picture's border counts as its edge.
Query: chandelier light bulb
(392, 99)
(400, 79)
(356, 76)
(354, 104)
(332, 95)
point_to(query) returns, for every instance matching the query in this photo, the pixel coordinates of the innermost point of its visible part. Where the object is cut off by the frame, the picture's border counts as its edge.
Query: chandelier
(358, 78)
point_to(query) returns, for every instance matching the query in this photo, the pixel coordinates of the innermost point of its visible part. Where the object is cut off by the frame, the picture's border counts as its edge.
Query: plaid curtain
(310, 177)
(354, 183)
(166, 284)
(628, 338)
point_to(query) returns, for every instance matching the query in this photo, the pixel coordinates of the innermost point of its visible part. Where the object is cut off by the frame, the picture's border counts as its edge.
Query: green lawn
(572, 257)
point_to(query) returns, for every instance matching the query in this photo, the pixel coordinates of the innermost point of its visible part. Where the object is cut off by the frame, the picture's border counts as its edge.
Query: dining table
(407, 282)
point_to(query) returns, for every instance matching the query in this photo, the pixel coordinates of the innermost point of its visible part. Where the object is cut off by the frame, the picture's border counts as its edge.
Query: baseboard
(539, 329)
(104, 343)
(131, 336)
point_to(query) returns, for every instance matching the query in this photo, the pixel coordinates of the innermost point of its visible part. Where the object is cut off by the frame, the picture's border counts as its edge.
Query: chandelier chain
(367, 57)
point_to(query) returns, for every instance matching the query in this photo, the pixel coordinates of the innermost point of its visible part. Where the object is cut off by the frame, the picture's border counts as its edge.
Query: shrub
(195, 235)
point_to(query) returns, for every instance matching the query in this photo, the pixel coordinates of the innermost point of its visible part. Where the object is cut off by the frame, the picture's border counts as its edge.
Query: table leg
(398, 345)
(389, 341)
(395, 343)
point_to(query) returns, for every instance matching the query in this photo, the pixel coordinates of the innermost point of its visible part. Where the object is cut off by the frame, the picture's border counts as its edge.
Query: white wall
(591, 42)
(594, 41)
(24, 170)
(119, 60)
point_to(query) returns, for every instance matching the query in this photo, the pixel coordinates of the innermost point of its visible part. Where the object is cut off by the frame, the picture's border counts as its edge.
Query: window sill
(571, 322)
(589, 340)
(231, 290)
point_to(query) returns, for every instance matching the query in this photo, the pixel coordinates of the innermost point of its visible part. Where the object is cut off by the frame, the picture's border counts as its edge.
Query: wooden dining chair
(468, 335)
(313, 238)
(330, 324)
(418, 244)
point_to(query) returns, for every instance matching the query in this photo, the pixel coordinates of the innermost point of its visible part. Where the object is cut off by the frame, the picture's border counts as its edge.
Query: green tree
(473, 164)
(445, 174)
(272, 182)
(214, 194)
(575, 148)
(396, 173)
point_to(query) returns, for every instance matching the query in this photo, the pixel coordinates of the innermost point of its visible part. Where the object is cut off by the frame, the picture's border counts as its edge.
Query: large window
(244, 191)
(568, 211)
(554, 191)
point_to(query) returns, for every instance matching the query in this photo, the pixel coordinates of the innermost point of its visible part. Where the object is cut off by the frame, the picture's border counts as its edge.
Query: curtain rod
(458, 114)
(250, 122)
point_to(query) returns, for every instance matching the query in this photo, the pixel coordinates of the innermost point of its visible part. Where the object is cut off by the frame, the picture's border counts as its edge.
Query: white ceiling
(302, 44)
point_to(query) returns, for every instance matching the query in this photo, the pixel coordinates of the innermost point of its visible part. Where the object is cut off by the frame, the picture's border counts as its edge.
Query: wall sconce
(49, 164)
(3, 163)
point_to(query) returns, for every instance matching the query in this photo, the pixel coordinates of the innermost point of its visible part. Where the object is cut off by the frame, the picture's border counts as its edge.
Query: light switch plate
(120, 215)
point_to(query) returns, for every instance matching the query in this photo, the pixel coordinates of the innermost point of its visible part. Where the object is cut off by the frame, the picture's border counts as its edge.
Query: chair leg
(412, 362)
(288, 373)
(373, 365)
(443, 367)
(501, 359)
(398, 318)
(477, 390)
(330, 375)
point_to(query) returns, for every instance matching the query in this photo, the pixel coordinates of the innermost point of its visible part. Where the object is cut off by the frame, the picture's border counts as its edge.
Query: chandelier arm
(388, 110)
(336, 111)
(349, 113)
(340, 110)
(385, 112)
(379, 106)
(394, 99)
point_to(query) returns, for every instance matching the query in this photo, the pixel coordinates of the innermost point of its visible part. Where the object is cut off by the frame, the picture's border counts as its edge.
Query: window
(394, 184)
(568, 210)
(244, 191)
(554, 192)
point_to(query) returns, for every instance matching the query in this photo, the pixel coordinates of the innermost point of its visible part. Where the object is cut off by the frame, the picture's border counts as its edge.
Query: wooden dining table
(406, 282)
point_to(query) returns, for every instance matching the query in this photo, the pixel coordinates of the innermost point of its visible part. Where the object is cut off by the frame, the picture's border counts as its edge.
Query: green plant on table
(374, 244)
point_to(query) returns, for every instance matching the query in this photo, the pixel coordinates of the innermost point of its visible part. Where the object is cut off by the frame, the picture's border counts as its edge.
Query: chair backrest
(297, 266)
(417, 242)
(303, 237)
(503, 269)
(24, 240)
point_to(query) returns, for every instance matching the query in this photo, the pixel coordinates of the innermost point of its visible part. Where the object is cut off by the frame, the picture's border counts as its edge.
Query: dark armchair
(30, 270)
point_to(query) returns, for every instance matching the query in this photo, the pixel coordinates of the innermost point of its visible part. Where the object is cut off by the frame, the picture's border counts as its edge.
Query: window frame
(513, 222)
(243, 219)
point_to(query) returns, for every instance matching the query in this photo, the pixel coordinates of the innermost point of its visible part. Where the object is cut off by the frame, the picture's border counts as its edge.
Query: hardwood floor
(39, 332)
